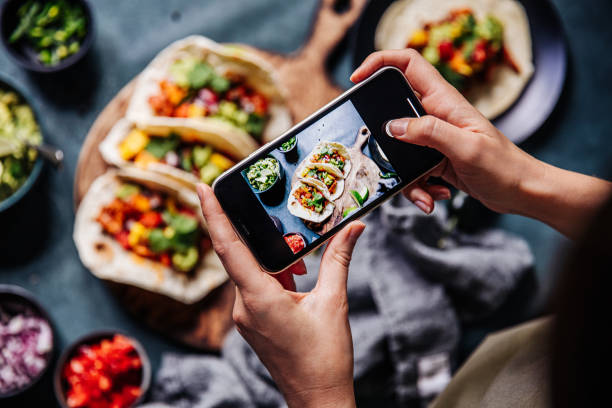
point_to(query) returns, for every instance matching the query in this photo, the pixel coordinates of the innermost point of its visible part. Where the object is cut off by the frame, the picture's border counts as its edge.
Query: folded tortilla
(332, 170)
(258, 74)
(494, 97)
(109, 148)
(108, 260)
(297, 209)
(337, 147)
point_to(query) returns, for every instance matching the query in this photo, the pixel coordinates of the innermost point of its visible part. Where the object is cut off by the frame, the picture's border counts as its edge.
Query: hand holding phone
(274, 320)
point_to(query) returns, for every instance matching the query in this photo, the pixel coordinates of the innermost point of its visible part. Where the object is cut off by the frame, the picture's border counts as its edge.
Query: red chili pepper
(445, 49)
(151, 219)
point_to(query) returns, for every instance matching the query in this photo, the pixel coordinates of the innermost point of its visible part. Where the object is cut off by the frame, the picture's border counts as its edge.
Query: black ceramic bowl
(275, 192)
(38, 164)
(299, 234)
(292, 154)
(16, 300)
(24, 55)
(59, 385)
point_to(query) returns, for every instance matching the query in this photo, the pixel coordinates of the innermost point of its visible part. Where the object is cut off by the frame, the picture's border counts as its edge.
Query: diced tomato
(480, 52)
(161, 105)
(122, 238)
(260, 104)
(236, 93)
(110, 376)
(165, 259)
(445, 49)
(151, 219)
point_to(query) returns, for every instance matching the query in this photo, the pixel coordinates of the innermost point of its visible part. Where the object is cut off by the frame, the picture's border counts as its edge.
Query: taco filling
(331, 156)
(154, 226)
(311, 198)
(198, 159)
(462, 48)
(195, 90)
(330, 181)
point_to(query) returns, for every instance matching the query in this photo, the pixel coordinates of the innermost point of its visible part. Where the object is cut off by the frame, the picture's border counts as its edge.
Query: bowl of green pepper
(46, 35)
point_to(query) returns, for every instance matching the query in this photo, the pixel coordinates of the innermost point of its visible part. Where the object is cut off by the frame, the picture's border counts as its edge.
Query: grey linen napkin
(410, 285)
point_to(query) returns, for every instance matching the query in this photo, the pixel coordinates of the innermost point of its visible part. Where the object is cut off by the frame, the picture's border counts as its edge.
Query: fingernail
(395, 128)
(424, 207)
(200, 191)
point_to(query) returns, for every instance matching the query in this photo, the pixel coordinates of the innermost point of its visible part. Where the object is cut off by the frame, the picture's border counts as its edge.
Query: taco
(310, 201)
(331, 177)
(144, 230)
(212, 88)
(332, 153)
(482, 47)
(183, 154)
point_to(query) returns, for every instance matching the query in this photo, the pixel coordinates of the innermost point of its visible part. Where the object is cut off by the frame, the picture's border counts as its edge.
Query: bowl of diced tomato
(102, 369)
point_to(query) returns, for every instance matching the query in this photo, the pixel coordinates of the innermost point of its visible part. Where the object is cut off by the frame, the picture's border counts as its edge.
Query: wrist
(337, 397)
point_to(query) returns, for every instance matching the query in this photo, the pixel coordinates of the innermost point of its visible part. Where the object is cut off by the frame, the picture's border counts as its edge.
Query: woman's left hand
(304, 339)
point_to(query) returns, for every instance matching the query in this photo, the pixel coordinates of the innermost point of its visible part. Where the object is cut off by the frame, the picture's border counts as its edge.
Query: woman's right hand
(480, 160)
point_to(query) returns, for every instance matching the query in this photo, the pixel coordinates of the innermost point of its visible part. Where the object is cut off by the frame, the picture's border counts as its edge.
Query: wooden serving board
(364, 173)
(204, 325)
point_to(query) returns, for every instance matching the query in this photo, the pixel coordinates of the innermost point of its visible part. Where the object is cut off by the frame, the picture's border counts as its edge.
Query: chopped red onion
(172, 159)
(25, 342)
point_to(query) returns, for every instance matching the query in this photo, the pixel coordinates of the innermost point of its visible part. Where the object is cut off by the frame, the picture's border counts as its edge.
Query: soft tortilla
(334, 171)
(109, 148)
(296, 208)
(340, 148)
(106, 259)
(404, 17)
(257, 72)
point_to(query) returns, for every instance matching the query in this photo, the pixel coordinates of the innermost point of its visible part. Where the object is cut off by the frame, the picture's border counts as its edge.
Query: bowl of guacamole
(20, 165)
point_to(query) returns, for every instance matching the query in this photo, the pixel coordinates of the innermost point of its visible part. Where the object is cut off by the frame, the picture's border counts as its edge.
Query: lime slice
(365, 193)
(360, 197)
(347, 211)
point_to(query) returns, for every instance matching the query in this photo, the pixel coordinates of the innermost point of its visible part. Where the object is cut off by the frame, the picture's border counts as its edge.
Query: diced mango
(221, 161)
(196, 111)
(418, 39)
(173, 92)
(134, 143)
(458, 64)
(144, 158)
(171, 205)
(138, 233)
(140, 202)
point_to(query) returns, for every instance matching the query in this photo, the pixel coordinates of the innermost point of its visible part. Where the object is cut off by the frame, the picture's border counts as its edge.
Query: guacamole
(17, 124)
(263, 173)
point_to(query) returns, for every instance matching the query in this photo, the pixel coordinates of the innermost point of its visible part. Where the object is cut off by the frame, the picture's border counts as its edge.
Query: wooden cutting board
(364, 173)
(205, 324)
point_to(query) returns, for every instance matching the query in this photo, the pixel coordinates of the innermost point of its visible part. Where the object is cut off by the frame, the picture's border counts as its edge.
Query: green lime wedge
(347, 211)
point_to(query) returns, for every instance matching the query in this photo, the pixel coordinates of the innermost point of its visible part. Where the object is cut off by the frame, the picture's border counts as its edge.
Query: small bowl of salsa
(104, 368)
(296, 241)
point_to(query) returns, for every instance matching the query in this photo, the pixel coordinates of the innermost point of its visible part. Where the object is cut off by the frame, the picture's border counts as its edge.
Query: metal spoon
(53, 155)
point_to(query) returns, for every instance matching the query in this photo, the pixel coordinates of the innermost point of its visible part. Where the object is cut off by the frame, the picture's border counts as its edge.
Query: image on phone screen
(321, 177)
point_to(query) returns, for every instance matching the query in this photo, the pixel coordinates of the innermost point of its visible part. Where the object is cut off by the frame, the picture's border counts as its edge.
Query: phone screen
(296, 192)
(321, 177)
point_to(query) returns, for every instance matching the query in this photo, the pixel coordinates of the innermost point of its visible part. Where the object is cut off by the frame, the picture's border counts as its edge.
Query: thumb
(429, 131)
(335, 262)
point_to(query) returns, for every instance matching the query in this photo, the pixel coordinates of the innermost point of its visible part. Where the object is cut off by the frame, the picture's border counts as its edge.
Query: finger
(421, 198)
(336, 258)
(453, 142)
(437, 96)
(298, 268)
(437, 192)
(285, 278)
(240, 265)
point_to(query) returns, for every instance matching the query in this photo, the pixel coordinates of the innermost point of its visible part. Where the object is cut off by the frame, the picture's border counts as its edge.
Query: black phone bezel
(394, 98)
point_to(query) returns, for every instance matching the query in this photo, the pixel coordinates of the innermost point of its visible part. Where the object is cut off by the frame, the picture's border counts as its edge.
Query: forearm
(565, 200)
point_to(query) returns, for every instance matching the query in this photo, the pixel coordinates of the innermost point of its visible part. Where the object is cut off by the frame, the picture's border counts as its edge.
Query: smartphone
(295, 193)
